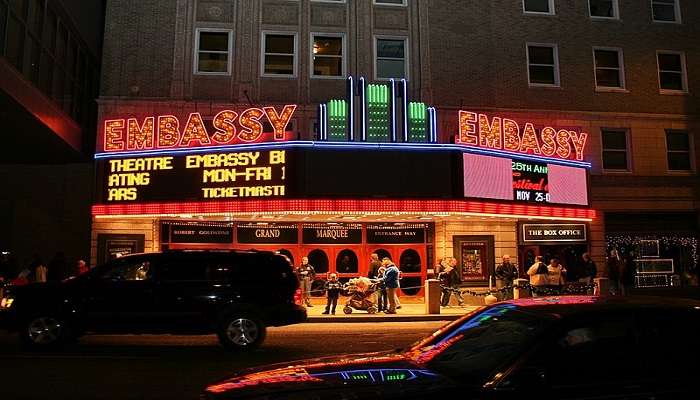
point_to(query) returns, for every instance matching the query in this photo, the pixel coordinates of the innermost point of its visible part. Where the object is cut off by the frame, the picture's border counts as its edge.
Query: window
(615, 147)
(604, 9)
(678, 150)
(538, 6)
(665, 11)
(327, 55)
(672, 74)
(390, 2)
(609, 68)
(543, 65)
(279, 54)
(213, 51)
(129, 270)
(390, 58)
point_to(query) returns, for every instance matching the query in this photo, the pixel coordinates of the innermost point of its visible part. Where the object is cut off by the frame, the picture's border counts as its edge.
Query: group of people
(385, 273)
(37, 271)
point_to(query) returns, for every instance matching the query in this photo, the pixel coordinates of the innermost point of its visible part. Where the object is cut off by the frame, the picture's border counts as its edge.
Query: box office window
(615, 149)
(327, 56)
(390, 58)
(213, 51)
(609, 70)
(279, 54)
(678, 150)
(542, 64)
(538, 6)
(672, 73)
(665, 11)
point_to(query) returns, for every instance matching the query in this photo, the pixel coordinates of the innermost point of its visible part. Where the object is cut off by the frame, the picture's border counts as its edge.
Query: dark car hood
(364, 375)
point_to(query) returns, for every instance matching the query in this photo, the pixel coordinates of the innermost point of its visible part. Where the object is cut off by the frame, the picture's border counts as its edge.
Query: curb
(383, 318)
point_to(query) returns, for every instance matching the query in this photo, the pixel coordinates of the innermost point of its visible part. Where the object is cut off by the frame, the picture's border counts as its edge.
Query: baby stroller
(361, 292)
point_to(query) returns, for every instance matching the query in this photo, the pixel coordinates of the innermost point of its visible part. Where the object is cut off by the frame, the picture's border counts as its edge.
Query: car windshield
(478, 344)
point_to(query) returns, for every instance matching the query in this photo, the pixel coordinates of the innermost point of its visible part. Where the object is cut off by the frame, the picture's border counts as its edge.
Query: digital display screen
(193, 177)
(523, 181)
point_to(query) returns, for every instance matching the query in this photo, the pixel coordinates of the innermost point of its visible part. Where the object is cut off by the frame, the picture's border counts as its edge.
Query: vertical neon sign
(337, 120)
(378, 113)
(417, 122)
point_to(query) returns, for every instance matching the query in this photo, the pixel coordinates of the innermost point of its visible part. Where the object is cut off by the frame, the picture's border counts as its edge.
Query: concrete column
(432, 296)
(518, 291)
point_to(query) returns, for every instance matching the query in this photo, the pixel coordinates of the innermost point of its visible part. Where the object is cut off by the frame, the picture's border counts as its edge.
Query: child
(333, 288)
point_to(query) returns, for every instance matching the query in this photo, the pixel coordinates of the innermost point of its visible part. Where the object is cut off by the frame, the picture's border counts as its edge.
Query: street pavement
(178, 367)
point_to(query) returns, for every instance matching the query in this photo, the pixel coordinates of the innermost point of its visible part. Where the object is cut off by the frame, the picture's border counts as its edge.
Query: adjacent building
(415, 129)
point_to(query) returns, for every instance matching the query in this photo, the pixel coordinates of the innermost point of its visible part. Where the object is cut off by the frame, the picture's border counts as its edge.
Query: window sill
(682, 173)
(539, 14)
(212, 73)
(617, 172)
(332, 78)
(605, 19)
(273, 76)
(611, 90)
(666, 22)
(542, 86)
(668, 92)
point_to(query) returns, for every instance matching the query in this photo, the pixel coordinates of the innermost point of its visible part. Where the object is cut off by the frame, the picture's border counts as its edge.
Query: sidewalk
(411, 310)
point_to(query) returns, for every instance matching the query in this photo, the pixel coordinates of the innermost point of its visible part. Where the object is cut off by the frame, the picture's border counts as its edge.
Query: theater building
(414, 129)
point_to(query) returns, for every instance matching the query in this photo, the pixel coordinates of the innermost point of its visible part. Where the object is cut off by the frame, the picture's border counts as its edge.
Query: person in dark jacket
(506, 273)
(374, 265)
(456, 280)
(333, 288)
(445, 278)
(588, 270)
(629, 272)
(306, 275)
(391, 281)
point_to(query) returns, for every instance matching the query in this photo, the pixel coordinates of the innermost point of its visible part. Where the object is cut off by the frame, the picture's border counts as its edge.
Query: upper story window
(279, 54)
(609, 68)
(615, 149)
(391, 2)
(542, 64)
(538, 7)
(328, 55)
(672, 73)
(390, 58)
(608, 9)
(213, 51)
(665, 11)
(678, 150)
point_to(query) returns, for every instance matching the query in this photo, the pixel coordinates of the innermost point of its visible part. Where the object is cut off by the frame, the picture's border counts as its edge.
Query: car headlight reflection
(6, 302)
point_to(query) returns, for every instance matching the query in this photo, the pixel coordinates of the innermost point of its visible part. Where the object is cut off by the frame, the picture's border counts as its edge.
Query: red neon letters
(165, 131)
(505, 134)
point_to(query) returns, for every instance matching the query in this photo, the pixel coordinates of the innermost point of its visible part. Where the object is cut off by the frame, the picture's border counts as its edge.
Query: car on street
(569, 347)
(235, 294)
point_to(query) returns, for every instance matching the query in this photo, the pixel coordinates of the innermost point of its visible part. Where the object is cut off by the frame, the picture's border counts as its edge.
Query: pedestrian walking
(382, 300)
(444, 276)
(333, 288)
(506, 274)
(391, 280)
(538, 276)
(306, 275)
(456, 280)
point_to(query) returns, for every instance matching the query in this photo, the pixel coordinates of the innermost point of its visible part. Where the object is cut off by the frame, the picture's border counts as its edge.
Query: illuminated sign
(378, 113)
(166, 131)
(523, 181)
(331, 233)
(196, 232)
(267, 233)
(417, 122)
(394, 234)
(499, 133)
(200, 176)
(553, 233)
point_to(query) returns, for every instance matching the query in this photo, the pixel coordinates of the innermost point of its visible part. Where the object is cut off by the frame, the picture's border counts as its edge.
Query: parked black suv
(235, 294)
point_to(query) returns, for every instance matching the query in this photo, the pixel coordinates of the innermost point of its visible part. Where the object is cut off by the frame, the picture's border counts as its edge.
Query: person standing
(391, 280)
(40, 271)
(382, 300)
(456, 280)
(306, 275)
(506, 273)
(629, 272)
(445, 277)
(333, 288)
(82, 267)
(588, 270)
(374, 265)
(556, 273)
(538, 276)
(614, 265)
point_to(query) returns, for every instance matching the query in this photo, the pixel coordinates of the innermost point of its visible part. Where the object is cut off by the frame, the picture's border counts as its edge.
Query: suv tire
(241, 331)
(44, 332)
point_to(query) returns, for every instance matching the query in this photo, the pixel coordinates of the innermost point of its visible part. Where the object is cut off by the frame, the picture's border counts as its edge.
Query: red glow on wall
(333, 206)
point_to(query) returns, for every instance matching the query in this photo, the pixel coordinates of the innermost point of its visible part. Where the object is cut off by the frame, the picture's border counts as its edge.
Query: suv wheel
(44, 331)
(241, 332)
